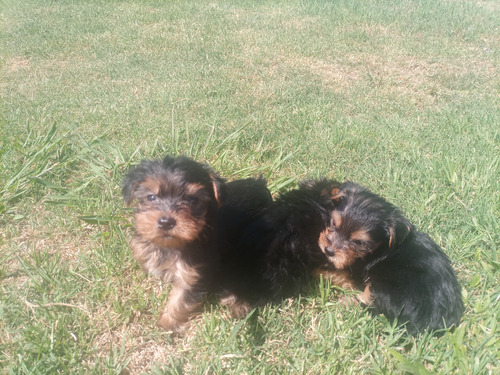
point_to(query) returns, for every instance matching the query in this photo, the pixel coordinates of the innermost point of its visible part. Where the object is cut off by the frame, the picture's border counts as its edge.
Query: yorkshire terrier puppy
(403, 273)
(177, 201)
(274, 254)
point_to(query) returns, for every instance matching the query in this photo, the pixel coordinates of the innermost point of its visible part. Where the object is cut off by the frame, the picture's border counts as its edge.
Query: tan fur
(360, 235)
(366, 296)
(188, 228)
(237, 307)
(216, 193)
(193, 188)
(177, 311)
(323, 239)
(336, 219)
(151, 184)
(341, 278)
(342, 259)
(336, 196)
(392, 235)
(168, 266)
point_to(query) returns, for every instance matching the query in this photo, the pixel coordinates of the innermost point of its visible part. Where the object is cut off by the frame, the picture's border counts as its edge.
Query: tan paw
(349, 300)
(169, 324)
(239, 309)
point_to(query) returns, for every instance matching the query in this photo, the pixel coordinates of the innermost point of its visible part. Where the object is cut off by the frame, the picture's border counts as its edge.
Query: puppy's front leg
(181, 303)
(341, 278)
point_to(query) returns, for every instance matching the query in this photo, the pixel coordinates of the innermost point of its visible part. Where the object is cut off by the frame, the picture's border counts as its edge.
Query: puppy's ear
(136, 175)
(219, 187)
(322, 187)
(130, 183)
(397, 229)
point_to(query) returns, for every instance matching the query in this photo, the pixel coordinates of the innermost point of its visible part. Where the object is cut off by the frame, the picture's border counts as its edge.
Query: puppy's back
(416, 284)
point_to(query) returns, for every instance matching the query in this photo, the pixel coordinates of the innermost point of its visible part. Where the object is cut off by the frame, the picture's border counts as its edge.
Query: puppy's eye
(357, 242)
(338, 200)
(151, 197)
(192, 200)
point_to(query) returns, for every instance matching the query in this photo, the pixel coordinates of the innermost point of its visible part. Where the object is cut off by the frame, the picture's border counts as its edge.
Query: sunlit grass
(400, 96)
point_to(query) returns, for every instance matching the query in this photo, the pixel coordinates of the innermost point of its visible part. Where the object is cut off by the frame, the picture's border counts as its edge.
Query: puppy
(404, 274)
(177, 201)
(274, 254)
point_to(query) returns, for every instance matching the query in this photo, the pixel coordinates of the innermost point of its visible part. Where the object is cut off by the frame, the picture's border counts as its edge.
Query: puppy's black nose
(166, 222)
(329, 251)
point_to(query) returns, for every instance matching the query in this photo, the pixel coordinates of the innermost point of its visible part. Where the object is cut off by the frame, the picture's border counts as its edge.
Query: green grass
(401, 96)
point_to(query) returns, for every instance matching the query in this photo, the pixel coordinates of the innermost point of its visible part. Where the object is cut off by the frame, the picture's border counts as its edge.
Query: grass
(401, 96)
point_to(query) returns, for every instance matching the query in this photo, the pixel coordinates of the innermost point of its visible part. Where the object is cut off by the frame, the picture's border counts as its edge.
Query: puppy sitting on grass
(175, 219)
(177, 199)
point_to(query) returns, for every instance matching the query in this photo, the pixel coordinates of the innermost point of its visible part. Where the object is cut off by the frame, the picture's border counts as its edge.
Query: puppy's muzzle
(329, 251)
(166, 223)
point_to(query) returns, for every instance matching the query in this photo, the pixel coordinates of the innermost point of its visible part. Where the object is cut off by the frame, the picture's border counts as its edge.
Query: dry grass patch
(17, 63)
(405, 78)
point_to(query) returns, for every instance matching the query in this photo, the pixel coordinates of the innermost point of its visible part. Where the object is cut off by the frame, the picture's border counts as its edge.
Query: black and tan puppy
(177, 200)
(403, 273)
(276, 254)
(180, 205)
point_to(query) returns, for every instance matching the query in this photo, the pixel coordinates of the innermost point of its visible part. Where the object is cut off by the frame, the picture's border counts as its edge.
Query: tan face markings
(323, 240)
(187, 229)
(152, 185)
(347, 253)
(343, 259)
(158, 187)
(336, 195)
(360, 235)
(192, 189)
(336, 219)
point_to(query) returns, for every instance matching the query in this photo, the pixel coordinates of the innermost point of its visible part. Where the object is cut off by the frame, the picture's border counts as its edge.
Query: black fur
(274, 256)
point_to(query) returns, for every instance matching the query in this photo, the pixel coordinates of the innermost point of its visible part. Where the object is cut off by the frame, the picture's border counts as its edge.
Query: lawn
(401, 96)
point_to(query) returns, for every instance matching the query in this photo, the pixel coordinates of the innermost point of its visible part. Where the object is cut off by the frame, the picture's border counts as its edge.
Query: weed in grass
(42, 156)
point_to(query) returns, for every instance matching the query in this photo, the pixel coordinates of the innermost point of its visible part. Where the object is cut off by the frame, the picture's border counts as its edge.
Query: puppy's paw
(349, 300)
(170, 324)
(239, 309)
(227, 299)
(365, 298)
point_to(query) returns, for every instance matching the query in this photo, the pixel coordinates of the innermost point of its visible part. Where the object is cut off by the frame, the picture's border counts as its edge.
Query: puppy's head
(176, 199)
(361, 223)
